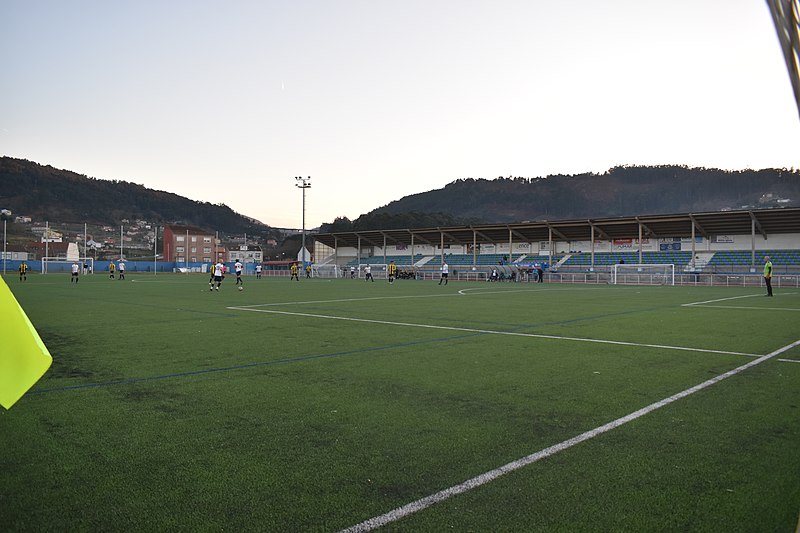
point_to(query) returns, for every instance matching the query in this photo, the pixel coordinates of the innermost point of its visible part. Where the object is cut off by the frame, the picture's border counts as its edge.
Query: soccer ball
(241, 288)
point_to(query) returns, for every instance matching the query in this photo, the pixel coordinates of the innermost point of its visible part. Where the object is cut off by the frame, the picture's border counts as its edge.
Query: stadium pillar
(510, 245)
(640, 243)
(474, 248)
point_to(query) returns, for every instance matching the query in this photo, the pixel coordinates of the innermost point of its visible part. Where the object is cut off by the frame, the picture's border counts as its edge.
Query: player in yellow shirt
(294, 273)
(392, 272)
(111, 268)
(23, 272)
(768, 275)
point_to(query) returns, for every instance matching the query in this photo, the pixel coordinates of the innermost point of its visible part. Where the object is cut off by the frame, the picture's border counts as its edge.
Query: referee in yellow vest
(768, 274)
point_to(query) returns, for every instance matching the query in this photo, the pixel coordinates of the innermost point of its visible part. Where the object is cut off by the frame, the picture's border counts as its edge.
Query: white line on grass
(484, 290)
(749, 308)
(245, 307)
(719, 300)
(428, 501)
(744, 307)
(406, 297)
(488, 331)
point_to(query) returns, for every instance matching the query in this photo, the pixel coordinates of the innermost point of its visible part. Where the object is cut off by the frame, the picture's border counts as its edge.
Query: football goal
(643, 274)
(325, 271)
(53, 265)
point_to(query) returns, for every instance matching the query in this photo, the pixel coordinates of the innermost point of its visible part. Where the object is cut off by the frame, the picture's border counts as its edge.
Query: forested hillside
(60, 195)
(46, 193)
(621, 191)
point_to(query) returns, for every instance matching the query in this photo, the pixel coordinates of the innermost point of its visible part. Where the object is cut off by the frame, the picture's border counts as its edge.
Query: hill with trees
(47, 193)
(621, 191)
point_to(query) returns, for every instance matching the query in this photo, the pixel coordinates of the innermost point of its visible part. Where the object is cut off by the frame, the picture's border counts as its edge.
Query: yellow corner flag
(23, 356)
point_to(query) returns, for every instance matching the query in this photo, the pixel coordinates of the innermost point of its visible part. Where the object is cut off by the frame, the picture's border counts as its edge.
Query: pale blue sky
(226, 102)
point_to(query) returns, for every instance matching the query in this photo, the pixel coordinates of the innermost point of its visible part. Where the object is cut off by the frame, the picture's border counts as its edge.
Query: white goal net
(643, 274)
(54, 265)
(325, 271)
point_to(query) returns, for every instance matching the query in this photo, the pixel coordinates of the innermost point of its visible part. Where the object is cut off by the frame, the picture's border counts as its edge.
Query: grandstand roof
(741, 222)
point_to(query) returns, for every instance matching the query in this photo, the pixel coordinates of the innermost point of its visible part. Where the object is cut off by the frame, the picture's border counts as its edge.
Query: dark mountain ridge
(621, 191)
(47, 193)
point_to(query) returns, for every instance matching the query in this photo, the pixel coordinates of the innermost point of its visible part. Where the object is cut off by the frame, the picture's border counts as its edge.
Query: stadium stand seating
(678, 258)
(744, 258)
(467, 259)
(400, 260)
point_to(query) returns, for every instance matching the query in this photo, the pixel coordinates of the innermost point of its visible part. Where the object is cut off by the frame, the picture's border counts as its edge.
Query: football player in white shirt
(445, 270)
(75, 273)
(219, 271)
(237, 267)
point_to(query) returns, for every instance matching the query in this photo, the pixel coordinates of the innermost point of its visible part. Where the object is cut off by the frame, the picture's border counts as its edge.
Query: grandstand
(604, 259)
(705, 248)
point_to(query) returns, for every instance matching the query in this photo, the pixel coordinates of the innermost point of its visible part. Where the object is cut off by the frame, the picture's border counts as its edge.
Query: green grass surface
(314, 406)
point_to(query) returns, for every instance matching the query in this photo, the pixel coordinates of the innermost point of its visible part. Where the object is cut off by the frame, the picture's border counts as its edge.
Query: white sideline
(490, 331)
(428, 501)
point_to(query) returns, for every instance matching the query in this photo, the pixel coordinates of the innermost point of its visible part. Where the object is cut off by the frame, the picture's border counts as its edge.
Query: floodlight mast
(303, 183)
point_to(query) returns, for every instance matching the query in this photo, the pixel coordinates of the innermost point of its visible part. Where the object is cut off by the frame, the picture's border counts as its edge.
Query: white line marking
(719, 300)
(462, 292)
(348, 300)
(744, 307)
(428, 501)
(789, 360)
(489, 331)
(485, 291)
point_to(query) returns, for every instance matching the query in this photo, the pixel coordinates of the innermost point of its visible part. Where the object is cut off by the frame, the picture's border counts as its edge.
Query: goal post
(53, 265)
(643, 274)
(325, 271)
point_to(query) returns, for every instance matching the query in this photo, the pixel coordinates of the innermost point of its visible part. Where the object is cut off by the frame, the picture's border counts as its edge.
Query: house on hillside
(52, 250)
(190, 244)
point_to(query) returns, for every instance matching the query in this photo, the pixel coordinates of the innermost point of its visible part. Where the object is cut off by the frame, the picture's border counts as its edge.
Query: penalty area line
(483, 479)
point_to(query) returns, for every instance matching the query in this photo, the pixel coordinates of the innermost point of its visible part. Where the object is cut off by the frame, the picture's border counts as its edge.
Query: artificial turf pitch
(320, 404)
